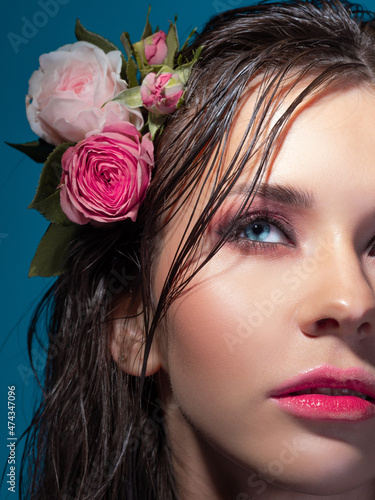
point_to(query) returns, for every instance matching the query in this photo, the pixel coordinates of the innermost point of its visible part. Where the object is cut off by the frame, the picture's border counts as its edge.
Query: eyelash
(239, 224)
(372, 247)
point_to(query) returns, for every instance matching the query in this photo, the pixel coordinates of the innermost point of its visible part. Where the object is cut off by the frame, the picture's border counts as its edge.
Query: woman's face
(292, 290)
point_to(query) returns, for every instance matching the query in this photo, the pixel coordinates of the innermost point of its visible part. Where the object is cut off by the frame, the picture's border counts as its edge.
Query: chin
(326, 474)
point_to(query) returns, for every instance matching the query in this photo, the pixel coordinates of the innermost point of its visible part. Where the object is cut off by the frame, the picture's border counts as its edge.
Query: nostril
(331, 324)
(364, 329)
(325, 323)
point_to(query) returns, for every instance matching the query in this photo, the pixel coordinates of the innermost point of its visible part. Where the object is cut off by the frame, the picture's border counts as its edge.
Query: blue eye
(258, 231)
(263, 231)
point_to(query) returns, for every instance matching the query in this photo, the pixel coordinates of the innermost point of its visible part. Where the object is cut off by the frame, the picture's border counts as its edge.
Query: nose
(338, 298)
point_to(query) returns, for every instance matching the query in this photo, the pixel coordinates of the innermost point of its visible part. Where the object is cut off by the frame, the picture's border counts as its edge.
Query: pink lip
(325, 407)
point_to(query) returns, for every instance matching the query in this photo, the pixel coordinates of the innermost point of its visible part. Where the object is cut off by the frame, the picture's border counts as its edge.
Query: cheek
(230, 298)
(221, 334)
(198, 324)
(222, 355)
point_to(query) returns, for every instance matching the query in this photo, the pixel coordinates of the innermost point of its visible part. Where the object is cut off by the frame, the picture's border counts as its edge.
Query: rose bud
(156, 48)
(161, 93)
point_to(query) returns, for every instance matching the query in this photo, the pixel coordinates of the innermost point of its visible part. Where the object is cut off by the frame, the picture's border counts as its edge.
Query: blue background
(20, 228)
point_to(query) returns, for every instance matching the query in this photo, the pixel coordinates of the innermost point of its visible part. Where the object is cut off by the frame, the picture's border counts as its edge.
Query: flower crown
(96, 113)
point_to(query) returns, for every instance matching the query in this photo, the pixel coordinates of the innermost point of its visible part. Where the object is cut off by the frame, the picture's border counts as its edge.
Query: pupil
(258, 231)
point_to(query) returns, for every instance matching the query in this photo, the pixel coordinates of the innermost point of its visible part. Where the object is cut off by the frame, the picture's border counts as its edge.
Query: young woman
(222, 346)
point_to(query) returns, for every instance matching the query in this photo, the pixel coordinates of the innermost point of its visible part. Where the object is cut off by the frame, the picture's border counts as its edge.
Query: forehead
(326, 146)
(330, 132)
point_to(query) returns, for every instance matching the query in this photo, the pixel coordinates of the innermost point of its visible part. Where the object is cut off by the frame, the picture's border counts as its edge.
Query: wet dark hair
(98, 432)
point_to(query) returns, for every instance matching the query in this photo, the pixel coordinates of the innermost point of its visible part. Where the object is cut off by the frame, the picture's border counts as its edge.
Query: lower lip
(322, 407)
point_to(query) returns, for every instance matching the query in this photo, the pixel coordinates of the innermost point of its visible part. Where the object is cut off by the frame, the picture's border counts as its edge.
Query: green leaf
(132, 70)
(123, 72)
(50, 255)
(148, 69)
(188, 39)
(47, 197)
(139, 54)
(82, 34)
(148, 30)
(130, 97)
(131, 67)
(184, 71)
(51, 209)
(197, 53)
(172, 44)
(165, 69)
(126, 43)
(155, 122)
(181, 100)
(36, 150)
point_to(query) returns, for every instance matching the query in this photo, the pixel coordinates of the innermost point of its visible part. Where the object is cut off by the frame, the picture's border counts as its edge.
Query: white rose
(66, 94)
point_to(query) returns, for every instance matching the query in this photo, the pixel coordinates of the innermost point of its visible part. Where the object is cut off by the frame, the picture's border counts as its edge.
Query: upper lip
(355, 379)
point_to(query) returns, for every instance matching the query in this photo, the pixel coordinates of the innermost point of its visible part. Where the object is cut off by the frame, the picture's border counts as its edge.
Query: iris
(257, 231)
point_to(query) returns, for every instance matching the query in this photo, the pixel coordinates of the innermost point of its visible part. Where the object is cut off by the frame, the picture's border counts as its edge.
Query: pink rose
(67, 92)
(156, 48)
(160, 94)
(105, 177)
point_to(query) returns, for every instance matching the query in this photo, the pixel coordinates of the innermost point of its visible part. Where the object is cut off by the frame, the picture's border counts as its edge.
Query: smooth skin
(251, 318)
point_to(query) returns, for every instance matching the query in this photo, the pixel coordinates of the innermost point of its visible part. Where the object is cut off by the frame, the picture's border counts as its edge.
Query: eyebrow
(287, 195)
